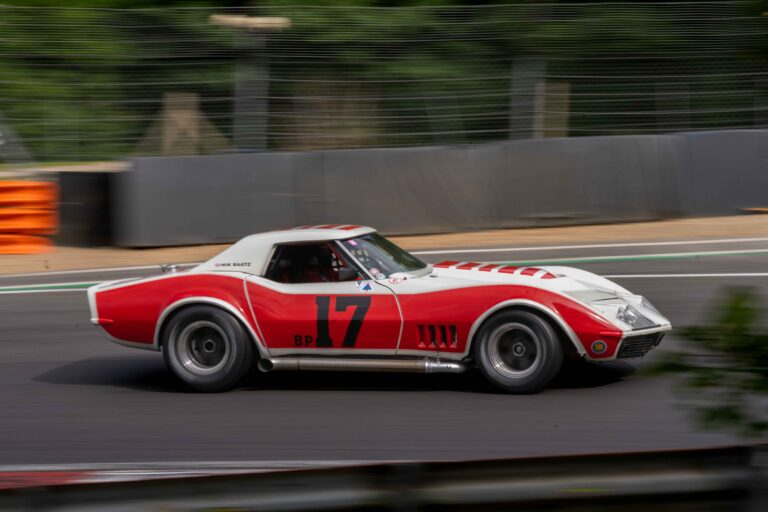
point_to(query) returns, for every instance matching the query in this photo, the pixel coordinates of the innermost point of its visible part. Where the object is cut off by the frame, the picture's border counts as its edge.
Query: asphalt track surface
(69, 396)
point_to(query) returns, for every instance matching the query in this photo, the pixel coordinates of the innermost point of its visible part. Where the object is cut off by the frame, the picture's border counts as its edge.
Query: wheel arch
(564, 331)
(171, 310)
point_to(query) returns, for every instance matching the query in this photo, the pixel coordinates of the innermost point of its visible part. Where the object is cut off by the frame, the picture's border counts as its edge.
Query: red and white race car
(342, 297)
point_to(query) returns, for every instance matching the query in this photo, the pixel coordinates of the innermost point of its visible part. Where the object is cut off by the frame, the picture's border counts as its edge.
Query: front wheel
(207, 348)
(518, 351)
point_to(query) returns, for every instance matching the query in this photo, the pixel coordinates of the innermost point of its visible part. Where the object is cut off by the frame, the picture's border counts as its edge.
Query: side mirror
(347, 274)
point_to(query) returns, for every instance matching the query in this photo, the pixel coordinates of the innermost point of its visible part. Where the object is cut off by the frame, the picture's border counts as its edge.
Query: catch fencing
(209, 199)
(84, 84)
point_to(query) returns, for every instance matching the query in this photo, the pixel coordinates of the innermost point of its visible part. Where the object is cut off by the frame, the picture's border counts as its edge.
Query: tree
(725, 367)
(86, 81)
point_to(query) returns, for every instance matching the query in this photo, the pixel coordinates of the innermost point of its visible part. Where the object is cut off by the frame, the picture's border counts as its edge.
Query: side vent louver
(440, 336)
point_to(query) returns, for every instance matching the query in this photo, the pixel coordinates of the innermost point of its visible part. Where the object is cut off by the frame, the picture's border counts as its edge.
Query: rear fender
(219, 303)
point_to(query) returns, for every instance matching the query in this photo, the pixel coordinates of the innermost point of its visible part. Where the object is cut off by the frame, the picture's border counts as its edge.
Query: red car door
(327, 317)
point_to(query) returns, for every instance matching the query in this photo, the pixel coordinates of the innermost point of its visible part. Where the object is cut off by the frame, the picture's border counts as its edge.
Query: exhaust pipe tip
(266, 365)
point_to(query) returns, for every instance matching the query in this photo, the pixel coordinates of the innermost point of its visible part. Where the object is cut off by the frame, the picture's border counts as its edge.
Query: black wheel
(207, 348)
(518, 351)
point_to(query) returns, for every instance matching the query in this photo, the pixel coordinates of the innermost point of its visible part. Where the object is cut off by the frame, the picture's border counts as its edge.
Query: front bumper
(638, 344)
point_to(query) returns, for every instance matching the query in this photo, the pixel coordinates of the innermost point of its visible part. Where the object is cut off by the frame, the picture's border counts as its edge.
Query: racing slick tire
(518, 351)
(207, 348)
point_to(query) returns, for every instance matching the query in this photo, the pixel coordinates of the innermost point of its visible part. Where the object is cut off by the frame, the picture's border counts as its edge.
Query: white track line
(43, 285)
(23, 292)
(652, 276)
(447, 251)
(596, 246)
(640, 257)
(44, 288)
(91, 270)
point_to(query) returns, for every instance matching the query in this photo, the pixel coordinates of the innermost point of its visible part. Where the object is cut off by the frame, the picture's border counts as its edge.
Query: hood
(557, 279)
(606, 298)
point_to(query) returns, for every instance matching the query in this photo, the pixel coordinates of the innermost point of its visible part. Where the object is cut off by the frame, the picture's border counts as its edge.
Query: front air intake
(638, 346)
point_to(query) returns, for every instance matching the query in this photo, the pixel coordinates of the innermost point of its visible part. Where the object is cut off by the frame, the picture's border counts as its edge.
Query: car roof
(250, 253)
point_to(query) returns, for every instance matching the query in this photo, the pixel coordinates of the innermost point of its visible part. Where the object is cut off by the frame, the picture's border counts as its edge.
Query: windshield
(381, 257)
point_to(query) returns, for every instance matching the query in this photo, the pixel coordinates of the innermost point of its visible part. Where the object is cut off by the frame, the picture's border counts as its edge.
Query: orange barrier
(24, 244)
(28, 194)
(28, 221)
(27, 209)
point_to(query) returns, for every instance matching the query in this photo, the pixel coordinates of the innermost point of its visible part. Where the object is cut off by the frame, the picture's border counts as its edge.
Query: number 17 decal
(361, 305)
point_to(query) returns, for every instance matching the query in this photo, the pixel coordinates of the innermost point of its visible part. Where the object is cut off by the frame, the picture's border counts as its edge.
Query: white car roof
(250, 253)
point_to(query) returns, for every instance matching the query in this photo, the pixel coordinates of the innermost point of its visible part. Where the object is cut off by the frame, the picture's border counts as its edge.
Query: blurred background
(106, 80)
(618, 107)
(627, 138)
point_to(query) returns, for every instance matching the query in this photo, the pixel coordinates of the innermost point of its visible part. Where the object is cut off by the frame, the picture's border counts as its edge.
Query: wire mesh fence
(89, 84)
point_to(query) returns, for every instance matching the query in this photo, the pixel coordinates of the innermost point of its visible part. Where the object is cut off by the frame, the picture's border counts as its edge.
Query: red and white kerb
(534, 272)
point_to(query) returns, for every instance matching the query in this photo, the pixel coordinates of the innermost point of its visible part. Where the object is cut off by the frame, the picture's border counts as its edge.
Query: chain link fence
(84, 84)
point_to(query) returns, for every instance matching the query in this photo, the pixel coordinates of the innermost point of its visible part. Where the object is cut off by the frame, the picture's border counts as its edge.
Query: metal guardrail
(732, 478)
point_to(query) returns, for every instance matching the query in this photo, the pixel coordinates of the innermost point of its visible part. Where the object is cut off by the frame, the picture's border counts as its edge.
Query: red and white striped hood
(602, 295)
(556, 279)
(496, 268)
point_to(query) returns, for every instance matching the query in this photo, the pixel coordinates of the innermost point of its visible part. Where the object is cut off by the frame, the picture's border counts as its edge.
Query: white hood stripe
(535, 272)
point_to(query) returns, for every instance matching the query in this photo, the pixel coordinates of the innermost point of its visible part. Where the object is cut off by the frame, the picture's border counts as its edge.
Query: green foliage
(86, 81)
(593, 30)
(725, 367)
(77, 82)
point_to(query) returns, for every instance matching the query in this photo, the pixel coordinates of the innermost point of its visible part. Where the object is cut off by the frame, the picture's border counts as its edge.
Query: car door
(438, 313)
(313, 300)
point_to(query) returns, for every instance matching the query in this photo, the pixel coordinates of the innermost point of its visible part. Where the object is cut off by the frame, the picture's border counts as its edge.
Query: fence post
(11, 148)
(527, 72)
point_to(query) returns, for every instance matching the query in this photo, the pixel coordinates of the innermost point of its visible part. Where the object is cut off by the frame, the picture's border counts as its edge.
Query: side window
(309, 263)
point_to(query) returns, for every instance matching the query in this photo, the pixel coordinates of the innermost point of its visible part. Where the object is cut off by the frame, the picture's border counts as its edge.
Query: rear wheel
(207, 348)
(518, 351)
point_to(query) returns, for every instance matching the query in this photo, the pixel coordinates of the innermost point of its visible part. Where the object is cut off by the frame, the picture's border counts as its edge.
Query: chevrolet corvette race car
(342, 297)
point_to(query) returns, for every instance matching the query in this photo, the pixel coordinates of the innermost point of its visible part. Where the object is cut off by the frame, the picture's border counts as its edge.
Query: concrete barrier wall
(208, 199)
(720, 172)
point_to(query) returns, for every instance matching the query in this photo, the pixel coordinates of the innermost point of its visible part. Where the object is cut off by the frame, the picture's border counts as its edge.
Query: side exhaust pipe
(359, 365)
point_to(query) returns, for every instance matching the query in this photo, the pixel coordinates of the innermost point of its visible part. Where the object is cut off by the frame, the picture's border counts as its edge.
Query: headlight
(622, 311)
(627, 315)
